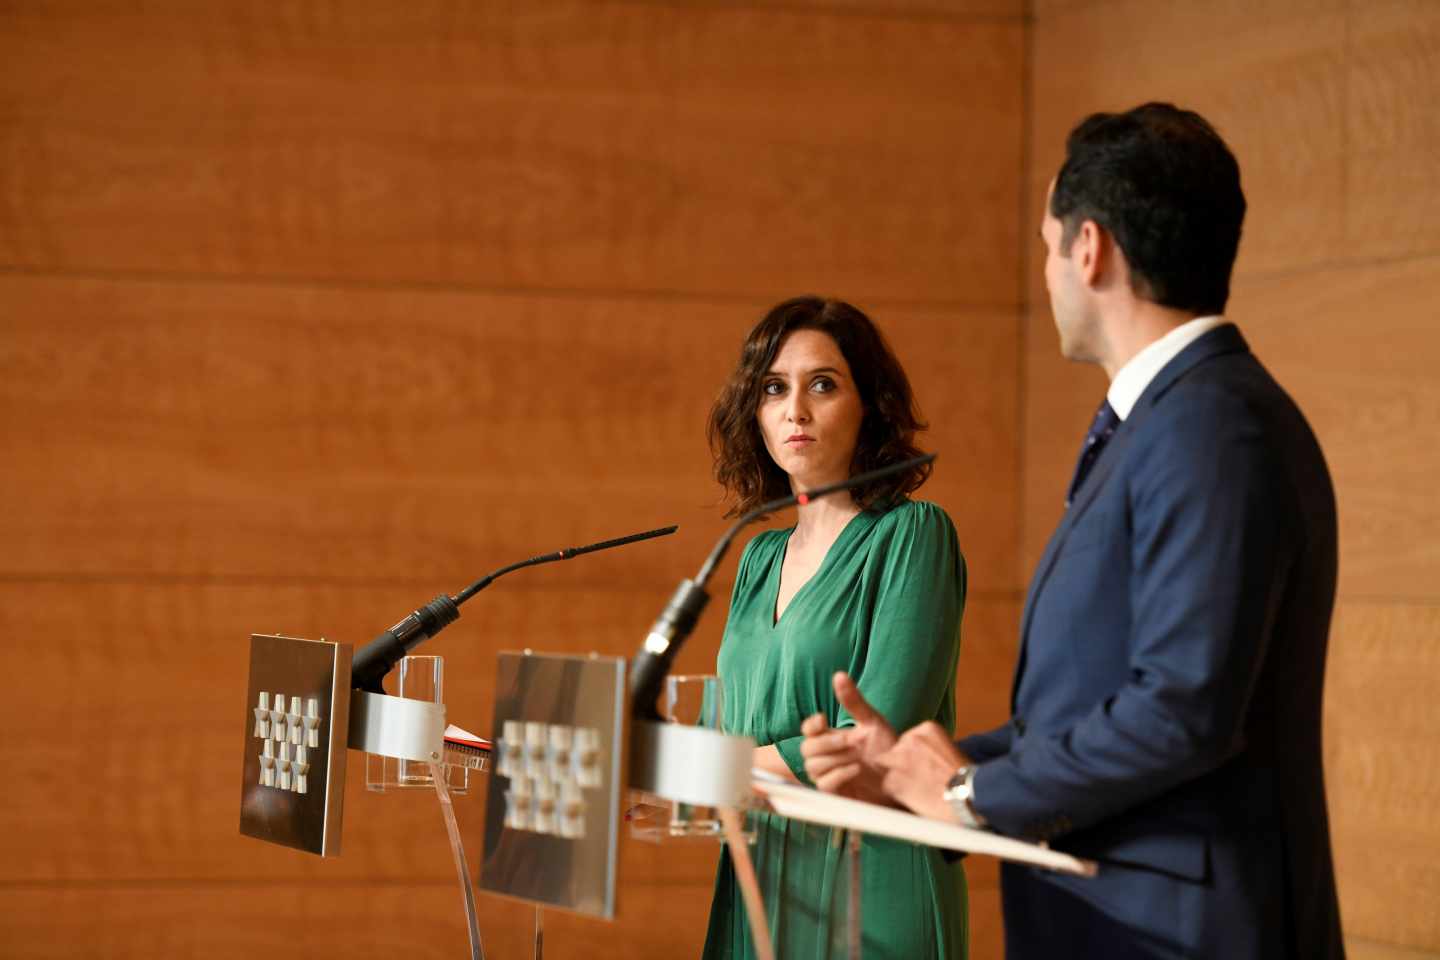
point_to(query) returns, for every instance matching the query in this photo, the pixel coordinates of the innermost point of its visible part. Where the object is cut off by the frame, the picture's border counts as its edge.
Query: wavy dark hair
(887, 431)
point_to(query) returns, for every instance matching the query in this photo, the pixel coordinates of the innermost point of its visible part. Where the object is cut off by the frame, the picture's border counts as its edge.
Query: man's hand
(918, 767)
(844, 761)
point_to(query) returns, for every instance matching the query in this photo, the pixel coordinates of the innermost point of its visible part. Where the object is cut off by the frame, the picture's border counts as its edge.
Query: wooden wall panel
(1326, 107)
(313, 311)
(136, 656)
(563, 146)
(988, 648)
(224, 430)
(1354, 349)
(1332, 127)
(1360, 949)
(1354, 345)
(1381, 731)
(1008, 9)
(282, 917)
(1368, 398)
(1392, 208)
(134, 640)
(302, 919)
(1060, 401)
(987, 928)
(129, 656)
(1270, 76)
(1277, 95)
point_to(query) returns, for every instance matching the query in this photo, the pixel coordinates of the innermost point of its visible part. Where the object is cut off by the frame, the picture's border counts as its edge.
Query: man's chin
(1076, 352)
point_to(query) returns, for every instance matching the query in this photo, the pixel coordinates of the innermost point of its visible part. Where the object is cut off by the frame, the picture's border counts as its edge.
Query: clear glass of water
(696, 700)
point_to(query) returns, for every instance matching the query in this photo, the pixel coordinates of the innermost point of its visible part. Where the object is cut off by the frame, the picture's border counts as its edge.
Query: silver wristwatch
(960, 797)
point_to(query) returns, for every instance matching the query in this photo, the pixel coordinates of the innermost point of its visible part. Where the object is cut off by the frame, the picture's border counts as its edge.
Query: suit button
(1019, 724)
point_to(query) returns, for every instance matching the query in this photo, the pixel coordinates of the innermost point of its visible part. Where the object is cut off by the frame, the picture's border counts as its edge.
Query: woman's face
(810, 410)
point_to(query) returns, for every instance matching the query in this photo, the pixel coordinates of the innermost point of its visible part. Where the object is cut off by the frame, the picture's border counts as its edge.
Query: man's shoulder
(1227, 425)
(1228, 391)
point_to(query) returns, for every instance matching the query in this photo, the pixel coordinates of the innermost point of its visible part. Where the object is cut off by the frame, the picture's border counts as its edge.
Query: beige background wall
(309, 313)
(1330, 107)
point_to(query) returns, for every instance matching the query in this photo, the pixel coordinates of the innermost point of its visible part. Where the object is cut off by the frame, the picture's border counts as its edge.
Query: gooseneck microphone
(379, 656)
(680, 615)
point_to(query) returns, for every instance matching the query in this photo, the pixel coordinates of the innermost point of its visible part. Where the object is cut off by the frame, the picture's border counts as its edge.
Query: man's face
(1070, 299)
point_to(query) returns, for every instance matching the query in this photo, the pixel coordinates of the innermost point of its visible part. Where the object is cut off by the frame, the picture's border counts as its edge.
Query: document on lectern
(808, 804)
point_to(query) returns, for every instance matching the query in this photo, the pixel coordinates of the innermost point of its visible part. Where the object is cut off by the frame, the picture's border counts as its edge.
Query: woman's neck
(822, 520)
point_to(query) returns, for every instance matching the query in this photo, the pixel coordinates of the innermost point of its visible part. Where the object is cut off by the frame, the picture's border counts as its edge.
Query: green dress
(884, 606)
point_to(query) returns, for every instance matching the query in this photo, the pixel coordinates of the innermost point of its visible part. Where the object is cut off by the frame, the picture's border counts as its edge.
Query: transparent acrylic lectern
(560, 776)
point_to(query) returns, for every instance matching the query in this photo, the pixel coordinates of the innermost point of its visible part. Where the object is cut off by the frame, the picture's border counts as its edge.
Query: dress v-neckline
(779, 570)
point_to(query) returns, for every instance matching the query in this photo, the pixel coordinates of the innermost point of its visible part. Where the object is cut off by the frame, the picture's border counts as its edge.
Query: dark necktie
(1104, 424)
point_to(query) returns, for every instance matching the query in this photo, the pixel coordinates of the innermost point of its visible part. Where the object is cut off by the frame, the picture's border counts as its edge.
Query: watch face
(958, 778)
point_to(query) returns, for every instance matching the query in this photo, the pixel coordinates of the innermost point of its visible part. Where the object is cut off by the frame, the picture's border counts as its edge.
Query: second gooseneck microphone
(680, 615)
(376, 658)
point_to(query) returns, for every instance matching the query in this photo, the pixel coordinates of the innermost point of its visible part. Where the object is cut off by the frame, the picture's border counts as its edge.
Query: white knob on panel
(267, 763)
(283, 765)
(510, 763)
(535, 744)
(301, 768)
(572, 811)
(262, 716)
(517, 810)
(587, 757)
(558, 763)
(546, 805)
(312, 722)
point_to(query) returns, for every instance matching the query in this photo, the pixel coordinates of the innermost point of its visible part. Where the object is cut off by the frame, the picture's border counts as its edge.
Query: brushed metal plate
(317, 673)
(543, 703)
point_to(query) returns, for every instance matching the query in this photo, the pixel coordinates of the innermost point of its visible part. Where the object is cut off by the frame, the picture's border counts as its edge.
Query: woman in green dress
(872, 584)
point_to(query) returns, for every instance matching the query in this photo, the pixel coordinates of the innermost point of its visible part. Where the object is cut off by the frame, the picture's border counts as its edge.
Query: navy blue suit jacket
(1167, 700)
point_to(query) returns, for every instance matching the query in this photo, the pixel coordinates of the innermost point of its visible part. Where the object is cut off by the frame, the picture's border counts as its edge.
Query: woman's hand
(845, 761)
(918, 768)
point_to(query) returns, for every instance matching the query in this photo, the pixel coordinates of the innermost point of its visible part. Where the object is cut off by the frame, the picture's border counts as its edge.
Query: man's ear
(1091, 252)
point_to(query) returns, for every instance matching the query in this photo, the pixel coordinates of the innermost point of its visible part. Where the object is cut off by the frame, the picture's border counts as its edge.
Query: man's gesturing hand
(918, 768)
(843, 761)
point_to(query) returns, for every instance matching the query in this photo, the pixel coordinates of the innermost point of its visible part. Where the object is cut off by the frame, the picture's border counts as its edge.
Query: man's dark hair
(1167, 188)
(887, 432)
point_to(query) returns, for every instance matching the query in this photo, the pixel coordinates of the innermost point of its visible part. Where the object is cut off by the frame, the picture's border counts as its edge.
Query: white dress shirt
(1132, 379)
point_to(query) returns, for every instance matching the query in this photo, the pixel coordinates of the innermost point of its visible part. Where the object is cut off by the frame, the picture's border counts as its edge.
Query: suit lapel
(1112, 454)
(1223, 339)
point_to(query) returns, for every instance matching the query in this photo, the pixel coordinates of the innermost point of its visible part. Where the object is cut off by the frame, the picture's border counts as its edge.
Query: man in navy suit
(1167, 700)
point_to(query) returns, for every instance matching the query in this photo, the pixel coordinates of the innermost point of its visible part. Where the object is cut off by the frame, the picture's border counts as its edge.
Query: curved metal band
(397, 726)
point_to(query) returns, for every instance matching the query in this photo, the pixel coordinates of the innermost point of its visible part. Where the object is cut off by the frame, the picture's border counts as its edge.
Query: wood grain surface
(729, 150)
(1381, 729)
(311, 311)
(225, 430)
(1354, 345)
(1392, 208)
(1270, 77)
(1327, 107)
